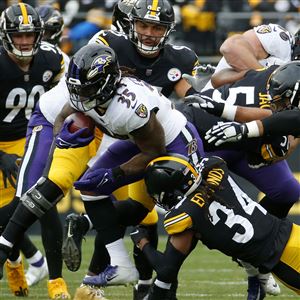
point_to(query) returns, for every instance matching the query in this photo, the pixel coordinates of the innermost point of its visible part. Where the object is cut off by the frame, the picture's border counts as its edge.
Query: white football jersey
(130, 110)
(276, 41)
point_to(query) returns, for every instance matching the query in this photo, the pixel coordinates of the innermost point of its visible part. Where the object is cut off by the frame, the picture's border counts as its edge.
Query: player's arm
(64, 113)
(182, 87)
(150, 139)
(166, 264)
(242, 51)
(226, 76)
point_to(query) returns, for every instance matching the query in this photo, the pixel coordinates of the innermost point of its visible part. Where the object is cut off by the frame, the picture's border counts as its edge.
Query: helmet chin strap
(194, 185)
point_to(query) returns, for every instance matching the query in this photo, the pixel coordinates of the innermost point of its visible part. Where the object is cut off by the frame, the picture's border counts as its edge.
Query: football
(80, 120)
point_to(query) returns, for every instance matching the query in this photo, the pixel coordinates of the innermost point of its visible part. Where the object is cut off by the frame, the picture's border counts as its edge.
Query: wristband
(229, 112)
(253, 130)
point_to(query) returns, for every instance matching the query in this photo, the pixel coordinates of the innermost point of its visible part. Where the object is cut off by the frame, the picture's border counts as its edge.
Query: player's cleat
(16, 279)
(74, 232)
(113, 275)
(86, 292)
(255, 289)
(57, 289)
(36, 274)
(140, 291)
(269, 284)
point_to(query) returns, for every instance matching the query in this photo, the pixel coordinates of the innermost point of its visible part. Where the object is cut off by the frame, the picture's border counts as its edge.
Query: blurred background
(201, 24)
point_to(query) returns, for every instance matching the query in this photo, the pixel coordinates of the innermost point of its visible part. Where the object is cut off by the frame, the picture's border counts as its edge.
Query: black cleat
(74, 231)
(140, 291)
(255, 289)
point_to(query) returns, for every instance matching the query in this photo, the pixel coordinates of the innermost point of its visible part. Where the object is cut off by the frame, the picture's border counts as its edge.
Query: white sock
(148, 282)
(118, 254)
(35, 258)
(15, 262)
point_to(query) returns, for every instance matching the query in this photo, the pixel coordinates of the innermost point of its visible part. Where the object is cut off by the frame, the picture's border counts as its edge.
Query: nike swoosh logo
(134, 232)
(111, 278)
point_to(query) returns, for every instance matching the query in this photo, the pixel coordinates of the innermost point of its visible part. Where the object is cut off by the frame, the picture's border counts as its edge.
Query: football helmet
(170, 178)
(20, 18)
(120, 19)
(53, 23)
(151, 11)
(93, 76)
(284, 86)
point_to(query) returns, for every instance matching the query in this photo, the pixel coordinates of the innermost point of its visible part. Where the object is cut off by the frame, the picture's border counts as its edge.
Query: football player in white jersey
(262, 46)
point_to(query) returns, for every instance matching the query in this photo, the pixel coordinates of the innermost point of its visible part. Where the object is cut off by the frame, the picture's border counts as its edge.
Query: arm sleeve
(282, 123)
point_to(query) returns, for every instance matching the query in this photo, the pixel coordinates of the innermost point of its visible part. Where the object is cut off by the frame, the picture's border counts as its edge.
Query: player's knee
(42, 197)
(64, 180)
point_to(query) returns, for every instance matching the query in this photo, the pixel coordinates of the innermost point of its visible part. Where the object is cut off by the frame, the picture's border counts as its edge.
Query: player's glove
(226, 132)
(102, 179)
(9, 165)
(212, 107)
(66, 139)
(138, 233)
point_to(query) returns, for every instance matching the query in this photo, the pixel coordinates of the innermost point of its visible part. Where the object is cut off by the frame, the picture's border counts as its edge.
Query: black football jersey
(230, 221)
(162, 72)
(250, 91)
(20, 91)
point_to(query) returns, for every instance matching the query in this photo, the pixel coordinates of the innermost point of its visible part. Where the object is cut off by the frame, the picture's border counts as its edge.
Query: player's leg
(288, 268)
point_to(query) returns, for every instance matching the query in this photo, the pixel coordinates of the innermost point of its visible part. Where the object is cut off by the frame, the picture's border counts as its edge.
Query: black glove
(212, 107)
(138, 233)
(9, 165)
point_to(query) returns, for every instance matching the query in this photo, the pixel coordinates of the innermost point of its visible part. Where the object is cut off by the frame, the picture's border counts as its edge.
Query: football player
(31, 69)
(283, 88)
(120, 107)
(206, 204)
(262, 46)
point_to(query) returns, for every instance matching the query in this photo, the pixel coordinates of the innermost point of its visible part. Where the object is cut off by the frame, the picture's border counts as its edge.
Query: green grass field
(205, 275)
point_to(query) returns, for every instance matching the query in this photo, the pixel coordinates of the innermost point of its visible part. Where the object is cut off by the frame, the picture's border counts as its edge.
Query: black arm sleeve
(165, 264)
(281, 123)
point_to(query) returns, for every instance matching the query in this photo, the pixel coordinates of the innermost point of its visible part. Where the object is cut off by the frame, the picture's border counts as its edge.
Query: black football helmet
(93, 76)
(20, 18)
(53, 23)
(153, 11)
(283, 86)
(120, 18)
(169, 178)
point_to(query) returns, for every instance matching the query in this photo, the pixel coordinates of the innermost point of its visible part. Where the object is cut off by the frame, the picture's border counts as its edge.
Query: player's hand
(206, 103)
(9, 165)
(226, 132)
(96, 179)
(277, 149)
(138, 233)
(66, 139)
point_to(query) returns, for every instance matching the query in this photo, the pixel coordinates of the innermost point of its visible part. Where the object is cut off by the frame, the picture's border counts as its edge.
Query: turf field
(205, 275)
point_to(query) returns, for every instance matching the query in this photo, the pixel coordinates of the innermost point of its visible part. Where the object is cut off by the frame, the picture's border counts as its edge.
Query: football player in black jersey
(31, 68)
(206, 204)
(283, 88)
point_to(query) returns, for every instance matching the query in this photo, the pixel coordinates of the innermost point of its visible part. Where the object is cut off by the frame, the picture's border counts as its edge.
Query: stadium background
(201, 25)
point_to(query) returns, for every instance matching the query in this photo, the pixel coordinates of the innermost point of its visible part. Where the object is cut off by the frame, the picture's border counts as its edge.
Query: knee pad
(37, 202)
